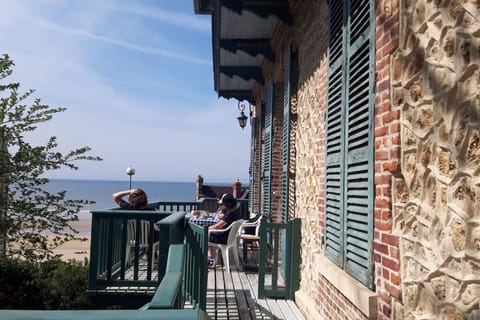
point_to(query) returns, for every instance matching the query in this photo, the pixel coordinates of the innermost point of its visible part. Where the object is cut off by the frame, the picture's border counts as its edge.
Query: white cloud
(128, 45)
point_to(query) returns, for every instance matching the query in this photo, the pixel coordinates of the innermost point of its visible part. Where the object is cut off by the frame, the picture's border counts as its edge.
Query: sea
(101, 191)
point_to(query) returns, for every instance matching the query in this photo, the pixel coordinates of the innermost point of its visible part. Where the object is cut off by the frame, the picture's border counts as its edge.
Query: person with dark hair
(232, 213)
(137, 199)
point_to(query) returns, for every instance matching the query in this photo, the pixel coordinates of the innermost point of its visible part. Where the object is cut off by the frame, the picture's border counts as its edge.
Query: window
(349, 176)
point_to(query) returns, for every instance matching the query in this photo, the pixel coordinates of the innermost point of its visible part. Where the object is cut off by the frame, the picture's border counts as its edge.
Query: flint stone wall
(436, 196)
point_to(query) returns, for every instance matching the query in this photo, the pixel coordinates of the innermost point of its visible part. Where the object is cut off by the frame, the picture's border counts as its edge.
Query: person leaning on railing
(137, 199)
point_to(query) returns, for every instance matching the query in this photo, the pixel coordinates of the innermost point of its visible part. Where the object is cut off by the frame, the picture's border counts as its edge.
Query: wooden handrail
(169, 292)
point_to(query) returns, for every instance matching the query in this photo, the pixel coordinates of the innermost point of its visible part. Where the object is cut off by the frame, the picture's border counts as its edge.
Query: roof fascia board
(240, 95)
(252, 47)
(261, 8)
(245, 72)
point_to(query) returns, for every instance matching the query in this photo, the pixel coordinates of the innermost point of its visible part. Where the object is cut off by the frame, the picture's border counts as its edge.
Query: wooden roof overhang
(241, 34)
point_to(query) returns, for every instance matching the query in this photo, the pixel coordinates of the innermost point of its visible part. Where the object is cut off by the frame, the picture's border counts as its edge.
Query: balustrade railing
(196, 267)
(116, 245)
(280, 258)
(129, 248)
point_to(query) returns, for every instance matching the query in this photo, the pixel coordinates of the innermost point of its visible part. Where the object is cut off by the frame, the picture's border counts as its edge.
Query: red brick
(383, 85)
(392, 290)
(379, 132)
(390, 239)
(395, 153)
(383, 225)
(381, 155)
(379, 247)
(382, 179)
(395, 139)
(394, 253)
(382, 203)
(395, 279)
(389, 263)
(386, 215)
(394, 128)
(391, 166)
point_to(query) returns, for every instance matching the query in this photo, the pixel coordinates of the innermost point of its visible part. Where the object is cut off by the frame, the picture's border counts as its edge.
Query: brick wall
(317, 297)
(387, 160)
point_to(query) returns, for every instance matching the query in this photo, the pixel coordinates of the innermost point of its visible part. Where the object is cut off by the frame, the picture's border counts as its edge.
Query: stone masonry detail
(436, 196)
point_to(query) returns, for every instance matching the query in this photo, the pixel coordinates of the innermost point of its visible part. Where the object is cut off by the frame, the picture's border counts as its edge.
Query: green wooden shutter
(267, 179)
(334, 137)
(260, 165)
(286, 135)
(251, 170)
(349, 183)
(359, 143)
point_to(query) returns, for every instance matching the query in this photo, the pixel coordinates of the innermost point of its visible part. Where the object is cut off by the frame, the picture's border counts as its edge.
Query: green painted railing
(169, 292)
(171, 314)
(281, 259)
(108, 253)
(182, 268)
(196, 267)
(175, 206)
(109, 261)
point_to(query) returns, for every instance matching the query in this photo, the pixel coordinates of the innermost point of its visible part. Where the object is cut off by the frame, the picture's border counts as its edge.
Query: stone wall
(436, 198)
(310, 109)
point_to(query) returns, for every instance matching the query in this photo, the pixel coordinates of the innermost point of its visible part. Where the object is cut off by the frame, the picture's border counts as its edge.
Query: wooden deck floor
(233, 296)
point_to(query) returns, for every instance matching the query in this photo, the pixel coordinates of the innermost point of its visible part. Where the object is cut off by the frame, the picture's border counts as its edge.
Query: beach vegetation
(33, 221)
(51, 284)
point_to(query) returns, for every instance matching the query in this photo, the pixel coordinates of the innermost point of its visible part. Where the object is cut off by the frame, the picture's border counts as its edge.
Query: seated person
(232, 213)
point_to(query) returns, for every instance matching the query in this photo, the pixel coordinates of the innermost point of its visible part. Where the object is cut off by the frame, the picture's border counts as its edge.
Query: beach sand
(77, 250)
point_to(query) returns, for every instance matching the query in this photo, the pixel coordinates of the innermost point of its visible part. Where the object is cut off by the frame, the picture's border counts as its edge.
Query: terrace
(173, 281)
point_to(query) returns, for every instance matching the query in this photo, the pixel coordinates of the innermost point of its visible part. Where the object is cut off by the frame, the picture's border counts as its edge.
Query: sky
(136, 78)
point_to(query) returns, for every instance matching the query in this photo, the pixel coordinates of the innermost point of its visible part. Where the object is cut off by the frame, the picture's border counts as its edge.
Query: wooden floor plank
(232, 306)
(222, 310)
(295, 310)
(285, 308)
(251, 280)
(242, 303)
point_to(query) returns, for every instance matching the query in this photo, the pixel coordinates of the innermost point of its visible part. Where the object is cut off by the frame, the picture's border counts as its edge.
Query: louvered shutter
(261, 156)
(286, 135)
(267, 170)
(349, 180)
(359, 143)
(251, 170)
(334, 137)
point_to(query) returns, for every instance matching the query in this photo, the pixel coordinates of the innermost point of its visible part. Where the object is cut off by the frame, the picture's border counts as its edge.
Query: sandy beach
(77, 250)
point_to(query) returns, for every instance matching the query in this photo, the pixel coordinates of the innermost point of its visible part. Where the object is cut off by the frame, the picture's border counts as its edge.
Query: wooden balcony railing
(181, 275)
(280, 256)
(122, 269)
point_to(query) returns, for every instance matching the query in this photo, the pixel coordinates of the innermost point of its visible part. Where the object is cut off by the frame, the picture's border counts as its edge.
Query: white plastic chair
(232, 243)
(246, 238)
(131, 236)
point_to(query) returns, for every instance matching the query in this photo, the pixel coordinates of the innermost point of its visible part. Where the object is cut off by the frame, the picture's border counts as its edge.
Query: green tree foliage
(33, 221)
(51, 284)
